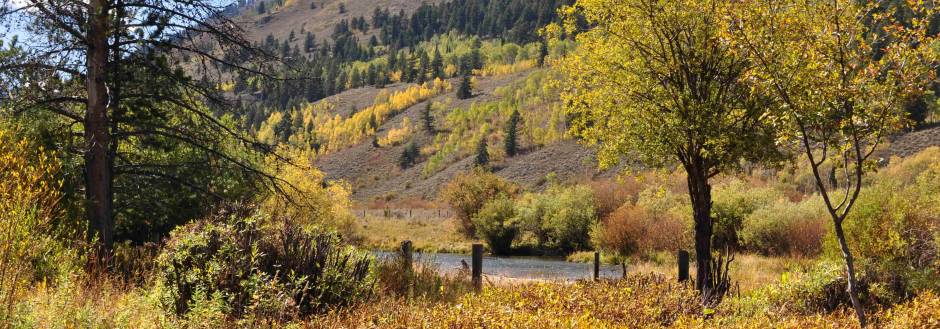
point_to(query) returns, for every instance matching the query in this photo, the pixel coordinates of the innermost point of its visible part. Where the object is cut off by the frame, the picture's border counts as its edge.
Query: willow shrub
(560, 218)
(251, 266)
(31, 250)
(497, 224)
(896, 225)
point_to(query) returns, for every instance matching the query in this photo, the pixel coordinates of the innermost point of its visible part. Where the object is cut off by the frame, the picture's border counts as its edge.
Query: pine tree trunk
(850, 272)
(700, 193)
(98, 174)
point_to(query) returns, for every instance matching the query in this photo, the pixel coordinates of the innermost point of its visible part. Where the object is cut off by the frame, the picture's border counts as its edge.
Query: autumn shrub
(922, 312)
(637, 231)
(609, 195)
(467, 193)
(732, 203)
(32, 249)
(895, 225)
(640, 301)
(257, 267)
(786, 228)
(496, 223)
(561, 217)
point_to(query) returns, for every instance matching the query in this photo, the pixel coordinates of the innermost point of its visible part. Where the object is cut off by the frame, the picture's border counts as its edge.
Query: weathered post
(476, 272)
(597, 265)
(407, 265)
(683, 265)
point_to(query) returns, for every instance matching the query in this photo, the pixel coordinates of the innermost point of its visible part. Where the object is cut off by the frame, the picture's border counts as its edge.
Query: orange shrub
(635, 229)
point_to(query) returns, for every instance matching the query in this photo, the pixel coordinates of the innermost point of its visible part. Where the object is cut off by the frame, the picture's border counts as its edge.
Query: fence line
(403, 213)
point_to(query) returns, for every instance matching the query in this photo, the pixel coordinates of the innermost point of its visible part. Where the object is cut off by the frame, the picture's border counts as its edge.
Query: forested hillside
(348, 163)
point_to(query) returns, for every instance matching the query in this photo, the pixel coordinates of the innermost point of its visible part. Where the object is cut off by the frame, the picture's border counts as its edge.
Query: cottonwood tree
(126, 73)
(840, 73)
(656, 80)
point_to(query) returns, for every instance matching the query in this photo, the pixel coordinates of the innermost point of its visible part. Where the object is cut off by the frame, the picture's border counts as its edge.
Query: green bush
(251, 268)
(560, 218)
(496, 224)
(732, 203)
(786, 228)
(895, 225)
(468, 192)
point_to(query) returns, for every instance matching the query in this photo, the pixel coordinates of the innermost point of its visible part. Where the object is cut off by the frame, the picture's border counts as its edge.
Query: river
(542, 268)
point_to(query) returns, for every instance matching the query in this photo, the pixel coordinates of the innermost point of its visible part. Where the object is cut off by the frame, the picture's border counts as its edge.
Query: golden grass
(426, 234)
(749, 270)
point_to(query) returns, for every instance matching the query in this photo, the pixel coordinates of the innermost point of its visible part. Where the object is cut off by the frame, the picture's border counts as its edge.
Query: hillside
(374, 173)
(505, 79)
(320, 19)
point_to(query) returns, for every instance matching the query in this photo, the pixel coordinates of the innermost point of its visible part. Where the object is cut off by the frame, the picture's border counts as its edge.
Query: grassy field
(426, 234)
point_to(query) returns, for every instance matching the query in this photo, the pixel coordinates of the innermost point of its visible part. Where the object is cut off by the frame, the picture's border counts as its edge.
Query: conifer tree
(482, 158)
(437, 65)
(511, 133)
(543, 52)
(466, 89)
(428, 118)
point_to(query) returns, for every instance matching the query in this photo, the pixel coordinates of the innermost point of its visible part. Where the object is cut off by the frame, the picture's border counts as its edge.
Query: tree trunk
(98, 174)
(850, 272)
(701, 195)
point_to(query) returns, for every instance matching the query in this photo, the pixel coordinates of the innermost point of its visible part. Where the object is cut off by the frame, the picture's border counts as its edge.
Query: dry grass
(426, 234)
(751, 271)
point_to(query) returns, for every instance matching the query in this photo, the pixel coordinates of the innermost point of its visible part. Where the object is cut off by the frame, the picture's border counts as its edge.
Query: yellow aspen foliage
(337, 133)
(397, 135)
(305, 196)
(505, 69)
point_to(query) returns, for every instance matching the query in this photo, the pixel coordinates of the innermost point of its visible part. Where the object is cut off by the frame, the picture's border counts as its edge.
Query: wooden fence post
(477, 267)
(407, 263)
(683, 265)
(597, 265)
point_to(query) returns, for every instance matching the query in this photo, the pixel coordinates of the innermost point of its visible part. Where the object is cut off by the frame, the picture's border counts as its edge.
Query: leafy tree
(653, 79)
(840, 73)
(512, 131)
(465, 90)
(428, 118)
(104, 66)
(482, 158)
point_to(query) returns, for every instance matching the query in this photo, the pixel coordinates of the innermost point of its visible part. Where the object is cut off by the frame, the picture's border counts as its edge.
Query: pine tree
(409, 155)
(543, 52)
(283, 128)
(512, 130)
(437, 65)
(310, 42)
(261, 8)
(466, 89)
(428, 118)
(482, 158)
(373, 123)
(424, 64)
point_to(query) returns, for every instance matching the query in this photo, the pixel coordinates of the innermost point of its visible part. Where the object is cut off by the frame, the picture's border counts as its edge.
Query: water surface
(520, 267)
